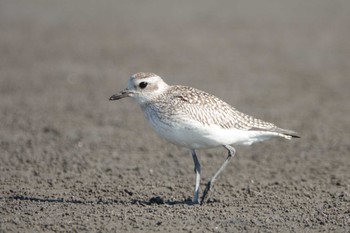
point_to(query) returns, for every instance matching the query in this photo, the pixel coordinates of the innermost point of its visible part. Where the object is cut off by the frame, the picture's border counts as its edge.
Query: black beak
(120, 95)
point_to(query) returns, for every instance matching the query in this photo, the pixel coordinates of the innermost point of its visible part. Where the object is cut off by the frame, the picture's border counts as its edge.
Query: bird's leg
(197, 170)
(231, 153)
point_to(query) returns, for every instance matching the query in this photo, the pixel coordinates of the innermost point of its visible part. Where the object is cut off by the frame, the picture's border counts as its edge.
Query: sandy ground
(72, 160)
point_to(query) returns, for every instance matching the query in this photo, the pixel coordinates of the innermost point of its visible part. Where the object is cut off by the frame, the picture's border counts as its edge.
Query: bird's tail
(287, 133)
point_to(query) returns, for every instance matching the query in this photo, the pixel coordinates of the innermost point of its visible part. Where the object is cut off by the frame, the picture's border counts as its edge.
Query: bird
(194, 119)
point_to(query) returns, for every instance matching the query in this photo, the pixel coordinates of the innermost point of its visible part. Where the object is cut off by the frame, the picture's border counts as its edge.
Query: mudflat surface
(72, 160)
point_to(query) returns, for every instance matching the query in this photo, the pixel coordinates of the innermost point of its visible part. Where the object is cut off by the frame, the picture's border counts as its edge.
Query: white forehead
(151, 78)
(145, 77)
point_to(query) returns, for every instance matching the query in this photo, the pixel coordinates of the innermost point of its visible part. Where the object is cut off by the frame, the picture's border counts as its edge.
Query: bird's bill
(124, 93)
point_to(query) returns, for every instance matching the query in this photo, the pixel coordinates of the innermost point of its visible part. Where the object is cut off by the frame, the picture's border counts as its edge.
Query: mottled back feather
(213, 111)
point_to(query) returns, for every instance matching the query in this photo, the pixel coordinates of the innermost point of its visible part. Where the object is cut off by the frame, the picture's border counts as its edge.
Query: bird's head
(143, 87)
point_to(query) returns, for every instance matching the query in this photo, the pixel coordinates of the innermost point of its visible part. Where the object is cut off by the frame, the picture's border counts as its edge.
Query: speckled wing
(210, 110)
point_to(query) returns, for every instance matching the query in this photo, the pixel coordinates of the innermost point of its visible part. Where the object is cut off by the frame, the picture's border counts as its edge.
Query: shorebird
(194, 119)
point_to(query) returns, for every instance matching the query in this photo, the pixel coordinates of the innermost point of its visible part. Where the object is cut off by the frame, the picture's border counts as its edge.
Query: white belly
(194, 135)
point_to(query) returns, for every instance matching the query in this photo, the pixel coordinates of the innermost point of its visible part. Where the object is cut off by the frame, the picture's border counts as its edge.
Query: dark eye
(142, 85)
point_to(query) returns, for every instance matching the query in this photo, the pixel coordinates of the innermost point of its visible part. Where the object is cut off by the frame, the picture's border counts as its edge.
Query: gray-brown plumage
(195, 119)
(178, 101)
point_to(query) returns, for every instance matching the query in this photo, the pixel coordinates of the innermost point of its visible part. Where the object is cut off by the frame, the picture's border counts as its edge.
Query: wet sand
(70, 160)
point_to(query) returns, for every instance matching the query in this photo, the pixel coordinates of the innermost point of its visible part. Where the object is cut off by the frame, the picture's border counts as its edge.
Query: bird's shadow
(157, 200)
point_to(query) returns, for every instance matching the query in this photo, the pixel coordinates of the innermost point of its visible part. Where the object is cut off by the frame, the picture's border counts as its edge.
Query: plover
(194, 119)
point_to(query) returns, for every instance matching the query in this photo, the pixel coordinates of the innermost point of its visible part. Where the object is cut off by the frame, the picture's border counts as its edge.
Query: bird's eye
(142, 85)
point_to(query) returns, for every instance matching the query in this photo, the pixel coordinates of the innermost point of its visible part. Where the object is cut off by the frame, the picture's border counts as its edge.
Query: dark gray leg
(231, 153)
(197, 170)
